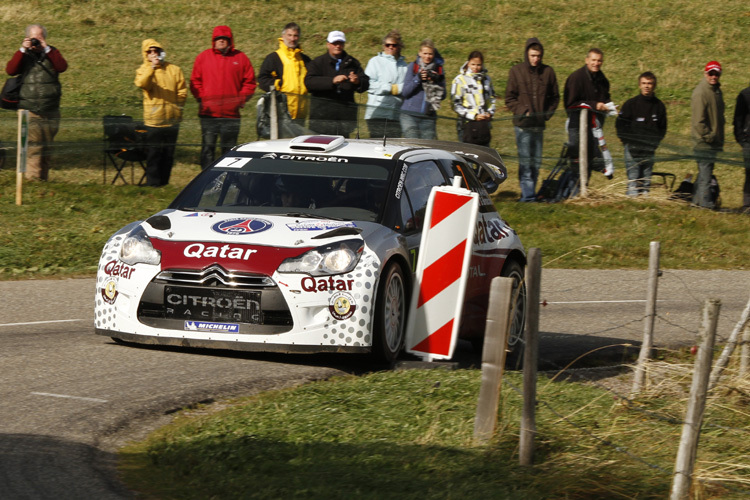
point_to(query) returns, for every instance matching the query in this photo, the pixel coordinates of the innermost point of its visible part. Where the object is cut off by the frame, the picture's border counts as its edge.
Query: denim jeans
(746, 187)
(529, 142)
(228, 129)
(418, 126)
(639, 164)
(702, 191)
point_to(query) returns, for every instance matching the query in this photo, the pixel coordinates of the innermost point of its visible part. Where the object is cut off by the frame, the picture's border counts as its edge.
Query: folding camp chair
(123, 145)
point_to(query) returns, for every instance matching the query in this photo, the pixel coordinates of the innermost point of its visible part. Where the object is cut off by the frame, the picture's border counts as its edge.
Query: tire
(513, 269)
(390, 315)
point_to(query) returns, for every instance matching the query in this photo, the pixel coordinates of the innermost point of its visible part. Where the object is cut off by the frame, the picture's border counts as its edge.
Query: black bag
(477, 132)
(11, 92)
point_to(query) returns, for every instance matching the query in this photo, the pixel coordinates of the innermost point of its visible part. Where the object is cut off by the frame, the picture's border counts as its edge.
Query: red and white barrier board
(441, 273)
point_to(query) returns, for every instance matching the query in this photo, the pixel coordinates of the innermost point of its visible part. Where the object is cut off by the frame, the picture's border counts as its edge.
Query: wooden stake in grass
(683, 468)
(731, 344)
(745, 353)
(493, 358)
(583, 148)
(648, 322)
(530, 357)
(23, 134)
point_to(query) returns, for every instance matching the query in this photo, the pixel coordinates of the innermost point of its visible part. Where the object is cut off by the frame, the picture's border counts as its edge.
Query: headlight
(137, 249)
(336, 258)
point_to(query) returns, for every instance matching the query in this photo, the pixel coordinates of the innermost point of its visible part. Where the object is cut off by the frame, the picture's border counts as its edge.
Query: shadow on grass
(256, 467)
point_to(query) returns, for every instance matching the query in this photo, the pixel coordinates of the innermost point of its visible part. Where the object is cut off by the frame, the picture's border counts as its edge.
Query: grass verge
(409, 435)
(61, 227)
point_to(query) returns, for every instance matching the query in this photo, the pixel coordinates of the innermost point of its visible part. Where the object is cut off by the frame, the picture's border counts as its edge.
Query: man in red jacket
(223, 80)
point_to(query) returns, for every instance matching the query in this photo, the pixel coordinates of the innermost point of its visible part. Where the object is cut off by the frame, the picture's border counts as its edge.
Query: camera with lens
(432, 75)
(35, 42)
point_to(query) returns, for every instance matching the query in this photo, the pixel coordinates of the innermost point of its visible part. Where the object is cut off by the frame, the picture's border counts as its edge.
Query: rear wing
(479, 156)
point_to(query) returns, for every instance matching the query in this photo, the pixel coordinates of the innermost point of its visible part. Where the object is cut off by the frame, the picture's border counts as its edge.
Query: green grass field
(409, 435)
(71, 217)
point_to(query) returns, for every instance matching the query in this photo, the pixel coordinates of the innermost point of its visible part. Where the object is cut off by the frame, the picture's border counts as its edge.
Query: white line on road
(42, 322)
(93, 400)
(600, 301)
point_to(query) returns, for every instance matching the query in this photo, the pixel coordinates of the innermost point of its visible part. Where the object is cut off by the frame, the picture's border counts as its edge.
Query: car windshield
(326, 189)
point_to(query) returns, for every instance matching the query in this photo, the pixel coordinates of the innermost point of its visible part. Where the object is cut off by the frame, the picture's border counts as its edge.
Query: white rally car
(302, 245)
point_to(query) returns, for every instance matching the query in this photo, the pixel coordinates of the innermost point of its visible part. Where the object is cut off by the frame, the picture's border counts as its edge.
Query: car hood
(239, 242)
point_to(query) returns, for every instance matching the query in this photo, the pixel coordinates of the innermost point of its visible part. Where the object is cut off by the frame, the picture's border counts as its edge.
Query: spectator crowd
(403, 100)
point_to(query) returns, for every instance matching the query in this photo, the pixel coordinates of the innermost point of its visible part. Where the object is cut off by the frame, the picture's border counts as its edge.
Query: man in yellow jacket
(285, 70)
(164, 95)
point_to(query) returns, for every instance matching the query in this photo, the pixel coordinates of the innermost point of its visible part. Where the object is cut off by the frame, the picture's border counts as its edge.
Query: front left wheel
(390, 315)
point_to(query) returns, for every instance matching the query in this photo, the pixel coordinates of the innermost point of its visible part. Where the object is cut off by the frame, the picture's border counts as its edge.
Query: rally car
(301, 245)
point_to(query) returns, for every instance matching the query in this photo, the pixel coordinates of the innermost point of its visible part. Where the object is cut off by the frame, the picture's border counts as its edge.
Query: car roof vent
(323, 143)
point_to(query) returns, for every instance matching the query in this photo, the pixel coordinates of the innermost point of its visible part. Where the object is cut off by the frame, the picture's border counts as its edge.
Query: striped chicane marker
(442, 264)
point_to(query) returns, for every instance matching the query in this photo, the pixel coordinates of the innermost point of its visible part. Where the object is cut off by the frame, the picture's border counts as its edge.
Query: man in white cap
(707, 127)
(332, 79)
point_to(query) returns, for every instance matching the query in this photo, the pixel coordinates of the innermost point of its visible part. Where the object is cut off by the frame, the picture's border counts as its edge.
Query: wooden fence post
(23, 135)
(274, 117)
(648, 322)
(583, 152)
(530, 356)
(493, 358)
(745, 353)
(691, 428)
(731, 344)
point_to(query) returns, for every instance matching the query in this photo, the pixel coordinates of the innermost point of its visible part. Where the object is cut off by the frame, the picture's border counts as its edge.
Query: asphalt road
(70, 398)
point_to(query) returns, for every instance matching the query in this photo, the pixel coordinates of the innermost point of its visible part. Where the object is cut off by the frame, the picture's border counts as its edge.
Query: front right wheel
(516, 343)
(390, 315)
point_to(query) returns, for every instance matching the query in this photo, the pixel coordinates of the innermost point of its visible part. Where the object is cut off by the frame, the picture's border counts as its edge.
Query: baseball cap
(336, 36)
(712, 66)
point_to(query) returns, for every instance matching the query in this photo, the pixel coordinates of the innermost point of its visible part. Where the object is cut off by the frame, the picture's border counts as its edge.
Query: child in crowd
(424, 88)
(474, 101)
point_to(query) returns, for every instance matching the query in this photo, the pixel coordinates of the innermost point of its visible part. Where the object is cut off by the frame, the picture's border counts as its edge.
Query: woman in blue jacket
(386, 72)
(424, 88)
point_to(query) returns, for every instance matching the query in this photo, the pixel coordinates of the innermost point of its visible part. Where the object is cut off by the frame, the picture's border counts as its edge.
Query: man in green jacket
(40, 95)
(707, 127)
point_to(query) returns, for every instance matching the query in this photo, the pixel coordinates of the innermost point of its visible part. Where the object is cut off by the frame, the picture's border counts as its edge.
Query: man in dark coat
(742, 135)
(332, 80)
(532, 95)
(641, 125)
(587, 86)
(40, 64)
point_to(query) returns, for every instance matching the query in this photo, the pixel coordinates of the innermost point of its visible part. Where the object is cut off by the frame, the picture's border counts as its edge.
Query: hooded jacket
(707, 119)
(164, 89)
(532, 94)
(384, 71)
(285, 70)
(472, 93)
(41, 91)
(222, 83)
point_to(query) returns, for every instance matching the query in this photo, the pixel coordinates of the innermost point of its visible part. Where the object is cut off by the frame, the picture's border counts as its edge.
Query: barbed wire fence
(730, 476)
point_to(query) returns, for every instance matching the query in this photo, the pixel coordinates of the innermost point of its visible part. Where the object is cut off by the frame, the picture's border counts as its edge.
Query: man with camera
(164, 95)
(40, 64)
